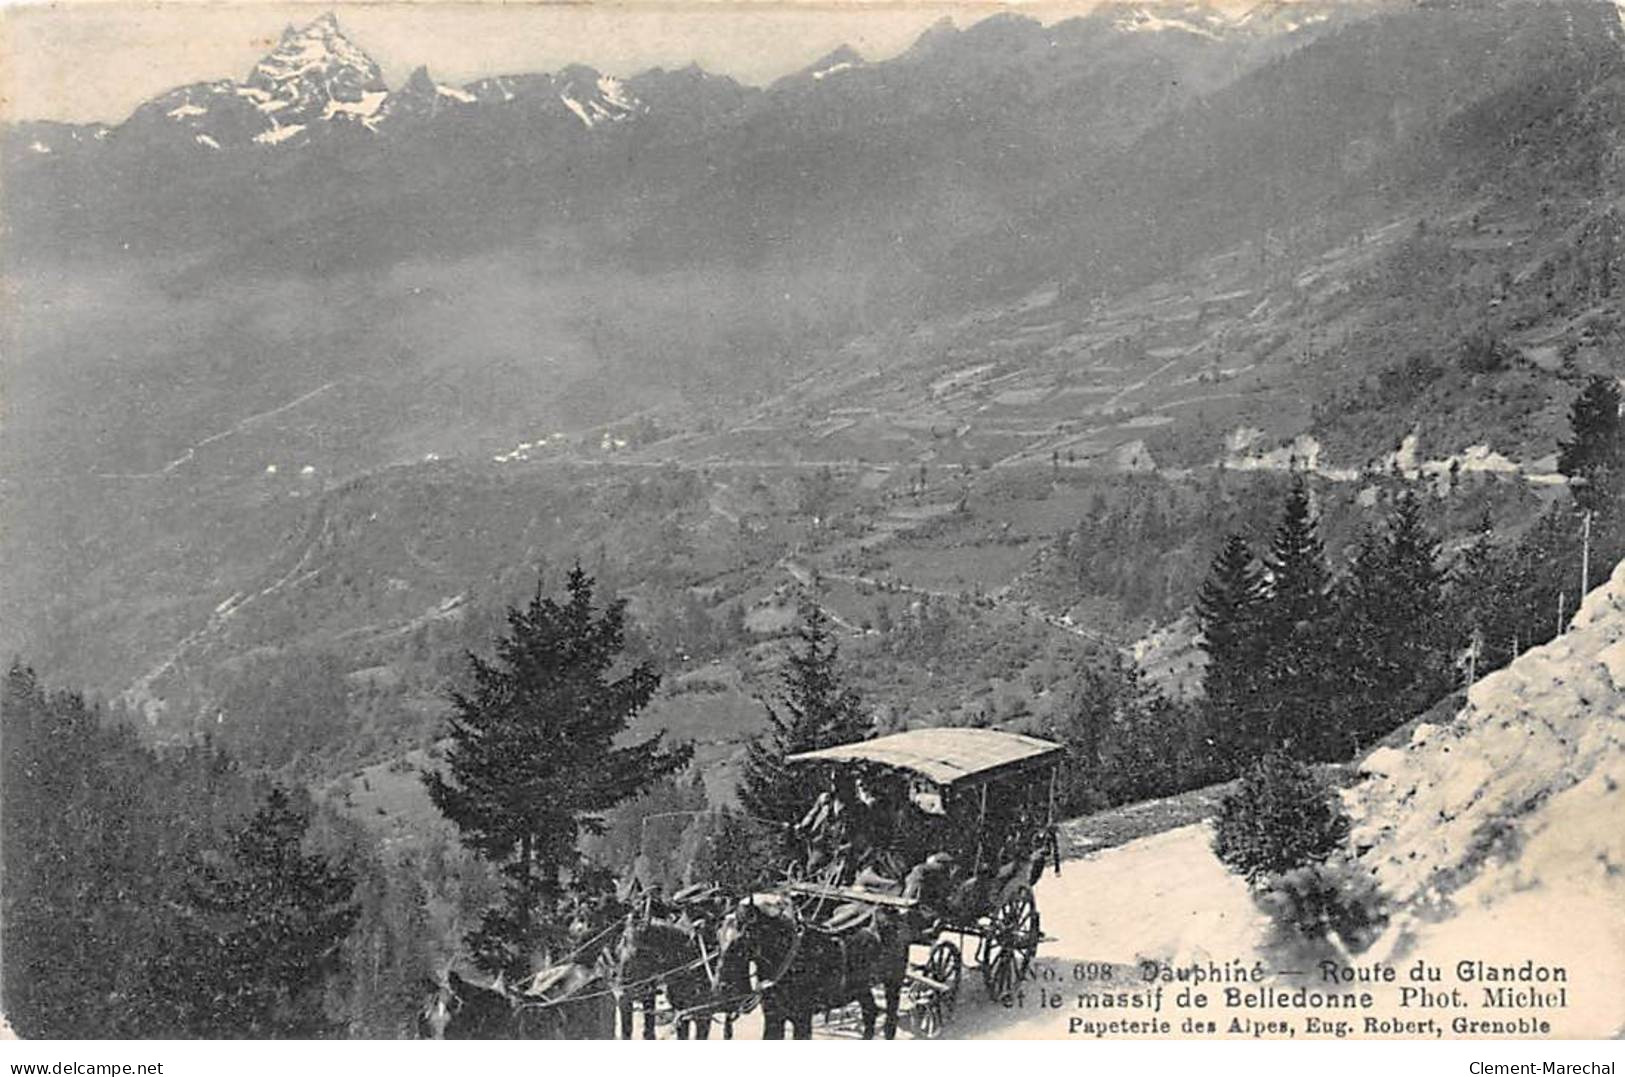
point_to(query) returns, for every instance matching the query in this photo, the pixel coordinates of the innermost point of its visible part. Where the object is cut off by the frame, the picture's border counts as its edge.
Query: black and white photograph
(1094, 521)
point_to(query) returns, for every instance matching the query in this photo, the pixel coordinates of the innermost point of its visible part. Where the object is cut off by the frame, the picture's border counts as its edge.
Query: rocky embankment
(1500, 836)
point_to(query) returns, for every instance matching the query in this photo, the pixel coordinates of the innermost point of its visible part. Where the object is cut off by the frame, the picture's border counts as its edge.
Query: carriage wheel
(1010, 945)
(933, 1009)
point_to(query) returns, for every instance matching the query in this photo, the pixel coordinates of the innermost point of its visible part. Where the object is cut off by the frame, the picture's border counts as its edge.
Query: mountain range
(1003, 105)
(317, 80)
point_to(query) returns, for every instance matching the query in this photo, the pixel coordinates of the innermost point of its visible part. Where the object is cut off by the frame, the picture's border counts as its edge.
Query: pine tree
(1126, 741)
(1392, 648)
(40, 919)
(1472, 594)
(1082, 725)
(729, 851)
(1151, 745)
(815, 711)
(534, 760)
(1296, 561)
(93, 822)
(131, 904)
(1595, 459)
(1418, 637)
(264, 930)
(1535, 577)
(1293, 632)
(1229, 606)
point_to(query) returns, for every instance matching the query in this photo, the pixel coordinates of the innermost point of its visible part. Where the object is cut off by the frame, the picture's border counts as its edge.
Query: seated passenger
(826, 830)
(930, 884)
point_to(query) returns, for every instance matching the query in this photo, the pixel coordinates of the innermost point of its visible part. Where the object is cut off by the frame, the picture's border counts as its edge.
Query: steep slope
(1501, 836)
(885, 165)
(1498, 838)
(1304, 148)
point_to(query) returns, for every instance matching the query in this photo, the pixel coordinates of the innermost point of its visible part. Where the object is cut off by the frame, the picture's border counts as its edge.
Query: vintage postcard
(1093, 521)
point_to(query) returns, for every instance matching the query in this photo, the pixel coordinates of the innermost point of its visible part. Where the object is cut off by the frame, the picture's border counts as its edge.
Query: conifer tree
(1296, 561)
(40, 918)
(1152, 746)
(1392, 649)
(1229, 607)
(726, 850)
(534, 759)
(1415, 583)
(264, 930)
(1595, 459)
(1293, 632)
(1473, 587)
(133, 907)
(815, 710)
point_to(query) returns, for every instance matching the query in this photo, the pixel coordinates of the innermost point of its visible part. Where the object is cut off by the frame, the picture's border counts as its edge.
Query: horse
(592, 930)
(571, 1001)
(458, 1010)
(566, 1002)
(803, 969)
(653, 953)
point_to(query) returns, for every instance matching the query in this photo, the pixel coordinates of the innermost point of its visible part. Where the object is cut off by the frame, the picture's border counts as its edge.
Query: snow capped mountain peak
(1283, 16)
(422, 97)
(318, 45)
(829, 66)
(1194, 19)
(614, 91)
(311, 67)
(1266, 18)
(842, 59)
(595, 98)
(314, 79)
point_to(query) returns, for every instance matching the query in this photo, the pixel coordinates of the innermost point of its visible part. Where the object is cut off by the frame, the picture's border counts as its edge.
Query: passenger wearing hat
(930, 884)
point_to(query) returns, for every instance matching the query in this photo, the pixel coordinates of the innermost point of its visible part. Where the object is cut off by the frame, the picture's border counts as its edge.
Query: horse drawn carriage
(919, 841)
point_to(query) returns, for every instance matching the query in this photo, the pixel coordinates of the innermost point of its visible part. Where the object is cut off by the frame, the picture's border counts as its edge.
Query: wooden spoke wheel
(932, 1005)
(1010, 945)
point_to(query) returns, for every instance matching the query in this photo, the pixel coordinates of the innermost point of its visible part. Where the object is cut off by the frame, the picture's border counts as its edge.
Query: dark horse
(571, 1001)
(565, 1002)
(803, 969)
(677, 955)
(458, 1010)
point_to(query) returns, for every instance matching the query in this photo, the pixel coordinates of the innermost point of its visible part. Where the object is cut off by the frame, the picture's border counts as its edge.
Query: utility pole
(1585, 557)
(1561, 597)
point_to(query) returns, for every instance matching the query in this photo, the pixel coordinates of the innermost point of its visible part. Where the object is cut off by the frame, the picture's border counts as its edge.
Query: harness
(748, 1000)
(701, 962)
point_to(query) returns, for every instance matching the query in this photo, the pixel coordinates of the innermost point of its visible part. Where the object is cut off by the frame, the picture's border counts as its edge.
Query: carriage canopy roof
(944, 756)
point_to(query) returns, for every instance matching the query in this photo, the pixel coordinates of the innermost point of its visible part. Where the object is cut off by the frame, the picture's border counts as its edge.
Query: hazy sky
(97, 59)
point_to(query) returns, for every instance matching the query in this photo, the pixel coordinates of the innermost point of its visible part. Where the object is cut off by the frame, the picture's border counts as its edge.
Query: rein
(798, 931)
(748, 1000)
(701, 962)
(542, 1004)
